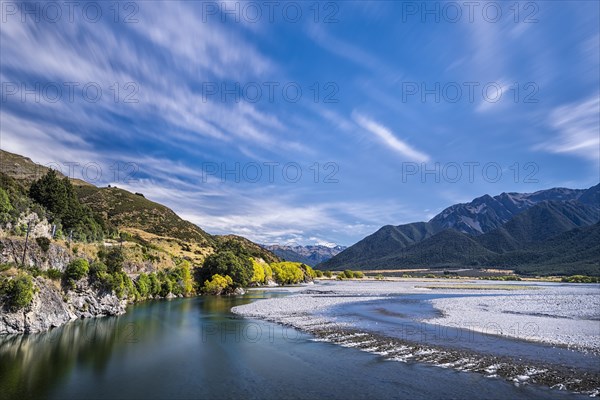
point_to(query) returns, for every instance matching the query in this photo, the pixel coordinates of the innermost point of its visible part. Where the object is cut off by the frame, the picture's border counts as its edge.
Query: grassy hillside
(152, 235)
(123, 209)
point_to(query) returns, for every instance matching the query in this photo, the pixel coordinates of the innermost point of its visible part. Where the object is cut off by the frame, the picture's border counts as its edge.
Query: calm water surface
(196, 349)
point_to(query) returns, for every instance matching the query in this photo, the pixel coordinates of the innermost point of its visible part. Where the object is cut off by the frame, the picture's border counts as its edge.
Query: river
(197, 349)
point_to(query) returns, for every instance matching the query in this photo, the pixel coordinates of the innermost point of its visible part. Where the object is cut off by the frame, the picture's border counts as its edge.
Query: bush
(358, 275)
(430, 276)
(217, 285)
(97, 269)
(341, 276)
(581, 279)
(319, 273)
(44, 243)
(328, 274)
(77, 269)
(379, 277)
(19, 291)
(54, 274)
(348, 274)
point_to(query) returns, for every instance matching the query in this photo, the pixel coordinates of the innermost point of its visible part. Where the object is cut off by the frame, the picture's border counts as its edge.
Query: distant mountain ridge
(489, 231)
(310, 255)
(487, 213)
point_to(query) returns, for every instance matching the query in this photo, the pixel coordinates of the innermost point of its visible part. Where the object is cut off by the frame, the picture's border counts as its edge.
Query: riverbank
(51, 307)
(320, 310)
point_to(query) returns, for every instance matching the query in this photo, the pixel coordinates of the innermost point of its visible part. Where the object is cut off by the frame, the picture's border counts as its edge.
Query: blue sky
(360, 98)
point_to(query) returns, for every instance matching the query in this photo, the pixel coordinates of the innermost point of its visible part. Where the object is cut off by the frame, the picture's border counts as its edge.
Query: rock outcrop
(51, 308)
(56, 257)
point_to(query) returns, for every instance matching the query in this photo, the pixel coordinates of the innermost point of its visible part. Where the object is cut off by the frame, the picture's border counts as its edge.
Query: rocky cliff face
(51, 308)
(56, 257)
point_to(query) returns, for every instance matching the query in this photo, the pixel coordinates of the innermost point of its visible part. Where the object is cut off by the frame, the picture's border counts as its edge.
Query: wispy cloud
(385, 136)
(578, 126)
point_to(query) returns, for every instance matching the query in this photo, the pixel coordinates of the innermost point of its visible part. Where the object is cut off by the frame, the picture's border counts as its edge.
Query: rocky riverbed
(549, 314)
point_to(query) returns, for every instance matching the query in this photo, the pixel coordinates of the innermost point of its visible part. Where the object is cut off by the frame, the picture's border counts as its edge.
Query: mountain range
(536, 233)
(309, 255)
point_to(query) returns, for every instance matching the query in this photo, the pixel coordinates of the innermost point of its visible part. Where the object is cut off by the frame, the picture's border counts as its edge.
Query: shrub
(430, 276)
(319, 273)
(19, 291)
(581, 279)
(348, 274)
(77, 269)
(217, 285)
(328, 274)
(54, 274)
(358, 275)
(44, 243)
(341, 276)
(379, 277)
(97, 269)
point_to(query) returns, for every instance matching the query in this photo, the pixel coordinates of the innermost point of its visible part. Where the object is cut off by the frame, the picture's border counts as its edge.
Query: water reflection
(195, 348)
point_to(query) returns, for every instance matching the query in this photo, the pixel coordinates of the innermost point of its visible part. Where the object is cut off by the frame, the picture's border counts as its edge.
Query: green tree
(166, 287)
(59, 198)
(144, 285)
(5, 205)
(50, 192)
(227, 263)
(268, 272)
(327, 274)
(258, 275)
(97, 269)
(184, 277)
(217, 285)
(155, 286)
(77, 269)
(115, 260)
(287, 273)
